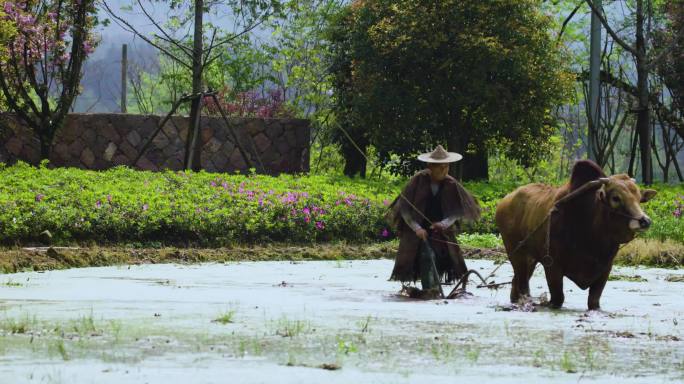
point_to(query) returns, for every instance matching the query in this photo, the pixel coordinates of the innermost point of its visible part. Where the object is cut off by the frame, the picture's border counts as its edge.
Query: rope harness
(546, 261)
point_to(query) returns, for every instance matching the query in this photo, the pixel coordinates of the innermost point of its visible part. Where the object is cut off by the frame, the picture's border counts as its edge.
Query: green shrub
(121, 205)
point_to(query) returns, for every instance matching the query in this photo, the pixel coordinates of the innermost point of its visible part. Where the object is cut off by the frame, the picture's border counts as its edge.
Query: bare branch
(245, 31)
(128, 27)
(567, 20)
(166, 37)
(610, 30)
(211, 47)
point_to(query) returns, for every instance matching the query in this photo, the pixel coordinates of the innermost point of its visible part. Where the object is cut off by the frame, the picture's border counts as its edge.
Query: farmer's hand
(421, 233)
(438, 227)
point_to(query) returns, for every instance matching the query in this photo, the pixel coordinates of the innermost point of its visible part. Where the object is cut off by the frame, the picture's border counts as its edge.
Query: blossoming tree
(41, 75)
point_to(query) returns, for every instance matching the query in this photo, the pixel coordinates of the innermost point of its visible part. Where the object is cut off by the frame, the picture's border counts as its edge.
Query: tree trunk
(45, 146)
(354, 162)
(193, 155)
(643, 125)
(454, 144)
(475, 166)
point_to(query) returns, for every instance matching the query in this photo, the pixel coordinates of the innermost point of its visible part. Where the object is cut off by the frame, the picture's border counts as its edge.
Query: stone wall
(100, 141)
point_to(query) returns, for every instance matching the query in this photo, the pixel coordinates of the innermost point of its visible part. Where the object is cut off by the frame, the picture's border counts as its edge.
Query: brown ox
(585, 230)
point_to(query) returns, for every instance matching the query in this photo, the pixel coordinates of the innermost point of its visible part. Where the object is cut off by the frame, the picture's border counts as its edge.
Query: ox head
(622, 197)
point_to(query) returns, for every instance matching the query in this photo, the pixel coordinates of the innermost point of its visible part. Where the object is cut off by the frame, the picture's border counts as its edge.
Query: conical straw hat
(440, 155)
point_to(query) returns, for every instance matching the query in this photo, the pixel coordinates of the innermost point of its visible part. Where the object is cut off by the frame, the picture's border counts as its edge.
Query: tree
(646, 61)
(41, 76)
(475, 75)
(197, 53)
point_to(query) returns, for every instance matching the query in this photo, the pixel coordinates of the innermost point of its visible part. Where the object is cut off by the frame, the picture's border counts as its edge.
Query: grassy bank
(652, 253)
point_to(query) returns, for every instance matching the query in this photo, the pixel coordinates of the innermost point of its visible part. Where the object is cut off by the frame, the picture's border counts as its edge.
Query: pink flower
(39, 197)
(384, 233)
(386, 202)
(320, 225)
(109, 198)
(306, 211)
(213, 183)
(145, 207)
(98, 204)
(307, 219)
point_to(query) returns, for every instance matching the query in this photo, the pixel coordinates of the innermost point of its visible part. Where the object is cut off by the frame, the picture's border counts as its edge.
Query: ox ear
(583, 172)
(647, 194)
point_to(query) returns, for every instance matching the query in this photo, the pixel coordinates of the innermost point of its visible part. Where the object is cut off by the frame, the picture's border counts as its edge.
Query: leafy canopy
(470, 73)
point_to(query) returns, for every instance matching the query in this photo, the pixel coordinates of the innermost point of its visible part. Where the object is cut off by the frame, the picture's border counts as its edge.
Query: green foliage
(480, 240)
(7, 32)
(122, 205)
(472, 74)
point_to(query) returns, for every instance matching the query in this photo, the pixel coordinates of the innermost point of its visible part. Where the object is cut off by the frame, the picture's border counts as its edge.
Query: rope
(554, 209)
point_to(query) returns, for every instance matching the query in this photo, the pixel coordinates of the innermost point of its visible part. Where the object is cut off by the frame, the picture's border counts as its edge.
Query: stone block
(291, 137)
(262, 142)
(133, 138)
(227, 148)
(160, 141)
(274, 129)
(254, 126)
(87, 158)
(121, 159)
(207, 133)
(170, 130)
(220, 160)
(110, 133)
(236, 161)
(171, 150)
(61, 151)
(146, 164)
(128, 150)
(282, 147)
(109, 152)
(212, 146)
(70, 129)
(156, 156)
(173, 163)
(88, 135)
(76, 148)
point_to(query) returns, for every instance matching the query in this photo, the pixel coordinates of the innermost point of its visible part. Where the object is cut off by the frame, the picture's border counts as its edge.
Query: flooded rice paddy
(331, 322)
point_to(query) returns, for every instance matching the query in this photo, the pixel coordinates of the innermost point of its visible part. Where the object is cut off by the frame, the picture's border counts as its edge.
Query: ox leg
(554, 279)
(595, 291)
(520, 287)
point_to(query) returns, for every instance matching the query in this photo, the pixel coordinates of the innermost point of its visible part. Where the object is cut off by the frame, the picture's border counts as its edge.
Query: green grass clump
(225, 317)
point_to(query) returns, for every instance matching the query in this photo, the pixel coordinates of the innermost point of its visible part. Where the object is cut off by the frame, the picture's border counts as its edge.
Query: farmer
(425, 216)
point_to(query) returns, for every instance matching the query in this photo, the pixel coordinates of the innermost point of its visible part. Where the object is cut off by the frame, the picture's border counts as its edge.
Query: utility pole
(124, 71)
(594, 82)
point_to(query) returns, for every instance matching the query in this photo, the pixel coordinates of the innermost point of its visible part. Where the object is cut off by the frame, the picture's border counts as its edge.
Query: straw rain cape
(454, 200)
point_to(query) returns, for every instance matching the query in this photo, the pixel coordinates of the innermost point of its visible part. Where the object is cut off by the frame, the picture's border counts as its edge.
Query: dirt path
(326, 321)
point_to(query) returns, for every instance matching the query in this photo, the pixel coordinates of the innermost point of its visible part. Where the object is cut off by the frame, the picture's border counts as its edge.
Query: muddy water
(332, 322)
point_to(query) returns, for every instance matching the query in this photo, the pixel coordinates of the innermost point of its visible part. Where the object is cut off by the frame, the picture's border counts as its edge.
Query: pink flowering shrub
(249, 104)
(208, 209)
